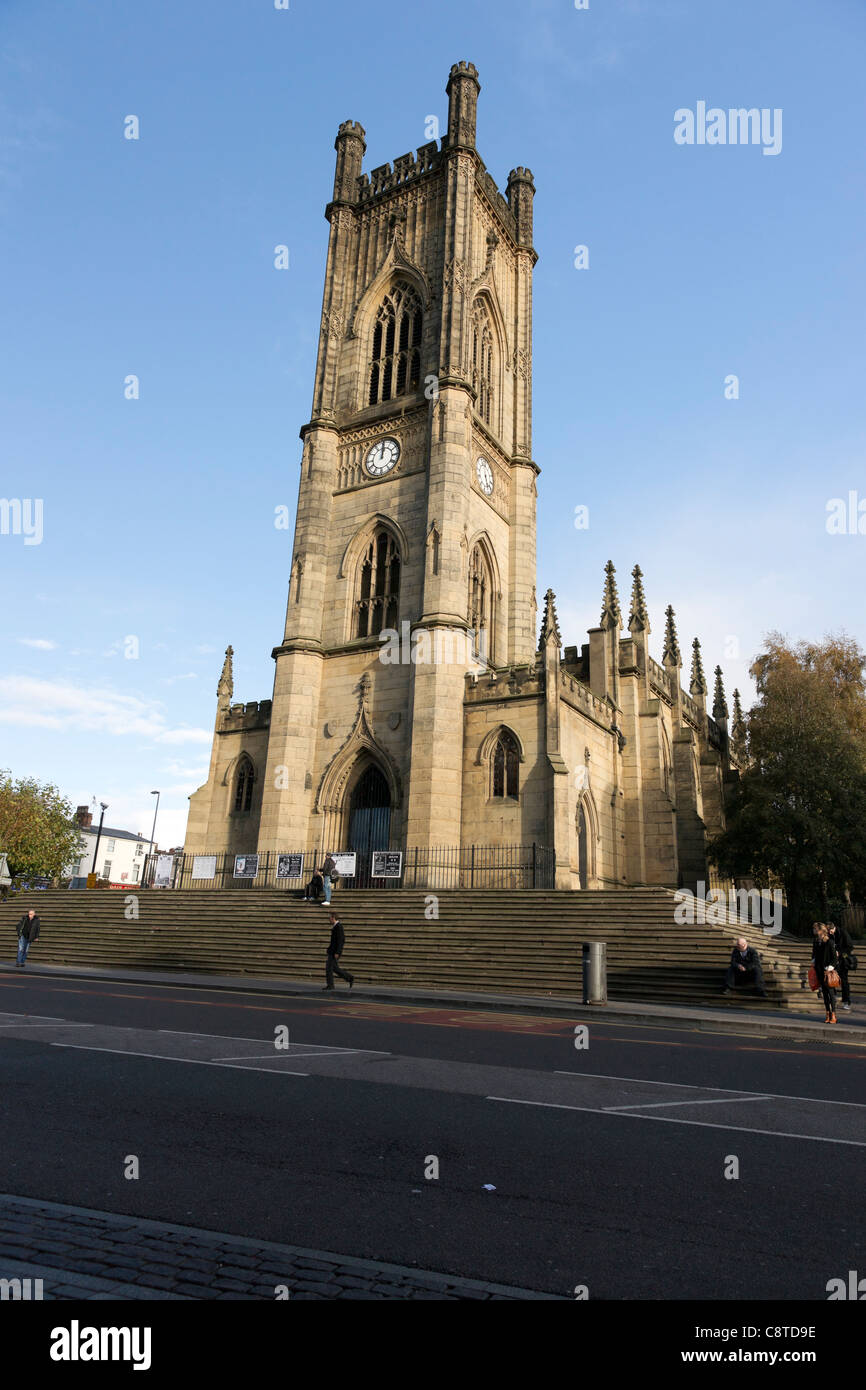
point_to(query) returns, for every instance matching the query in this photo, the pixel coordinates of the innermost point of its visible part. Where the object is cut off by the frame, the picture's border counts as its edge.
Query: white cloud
(59, 705)
(39, 644)
(185, 735)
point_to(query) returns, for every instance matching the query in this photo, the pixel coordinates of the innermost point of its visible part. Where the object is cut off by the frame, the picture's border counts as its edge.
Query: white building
(121, 853)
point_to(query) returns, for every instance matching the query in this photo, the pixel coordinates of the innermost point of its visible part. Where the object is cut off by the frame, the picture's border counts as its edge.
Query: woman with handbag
(825, 958)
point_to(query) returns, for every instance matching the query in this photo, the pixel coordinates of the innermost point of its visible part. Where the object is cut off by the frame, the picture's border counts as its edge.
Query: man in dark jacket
(745, 968)
(28, 930)
(335, 950)
(328, 872)
(844, 947)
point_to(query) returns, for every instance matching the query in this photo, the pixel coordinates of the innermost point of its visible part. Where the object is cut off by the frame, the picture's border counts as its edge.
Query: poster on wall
(164, 867)
(387, 863)
(204, 866)
(246, 865)
(290, 866)
(345, 864)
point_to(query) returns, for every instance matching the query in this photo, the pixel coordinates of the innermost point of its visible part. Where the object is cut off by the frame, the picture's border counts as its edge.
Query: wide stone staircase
(524, 942)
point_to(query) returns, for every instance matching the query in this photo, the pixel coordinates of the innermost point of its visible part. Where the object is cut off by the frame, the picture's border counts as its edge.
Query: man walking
(335, 950)
(844, 946)
(328, 872)
(745, 968)
(28, 930)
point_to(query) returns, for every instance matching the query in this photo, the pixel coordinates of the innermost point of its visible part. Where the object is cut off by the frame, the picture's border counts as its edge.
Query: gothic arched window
(480, 605)
(504, 764)
(395, 367)
(482, 361)
(244, 778)
(377, 603)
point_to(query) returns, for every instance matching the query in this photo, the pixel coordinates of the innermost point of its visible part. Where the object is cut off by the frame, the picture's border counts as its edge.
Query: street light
(104, 806)
(153, 831)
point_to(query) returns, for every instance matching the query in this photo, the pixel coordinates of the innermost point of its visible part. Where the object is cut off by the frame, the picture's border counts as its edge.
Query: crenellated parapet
(392, 178)
(509, 683)
(255, 714)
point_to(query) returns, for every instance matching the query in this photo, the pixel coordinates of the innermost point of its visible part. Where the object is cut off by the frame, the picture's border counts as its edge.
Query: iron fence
(445, 866)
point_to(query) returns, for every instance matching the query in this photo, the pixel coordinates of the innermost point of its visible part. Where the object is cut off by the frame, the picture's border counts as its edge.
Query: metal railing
(441, 866)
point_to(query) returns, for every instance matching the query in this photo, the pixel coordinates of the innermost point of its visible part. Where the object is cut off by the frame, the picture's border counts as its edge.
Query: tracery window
(377, 604)
(482, 361)
(244, 786)
(395, 366)
(505, 761)
(480, 605)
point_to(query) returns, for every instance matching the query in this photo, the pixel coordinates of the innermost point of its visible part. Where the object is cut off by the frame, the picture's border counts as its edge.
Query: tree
(799, 812)
(38, 830)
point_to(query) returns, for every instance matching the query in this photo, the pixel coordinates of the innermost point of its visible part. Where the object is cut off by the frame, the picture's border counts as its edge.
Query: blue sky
(155, 257)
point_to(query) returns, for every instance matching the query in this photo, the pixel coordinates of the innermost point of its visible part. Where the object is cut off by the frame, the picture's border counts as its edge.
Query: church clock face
(484, 474)
(382, 457)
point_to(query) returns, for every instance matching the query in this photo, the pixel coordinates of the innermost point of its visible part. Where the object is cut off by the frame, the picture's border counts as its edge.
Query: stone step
(510, 942)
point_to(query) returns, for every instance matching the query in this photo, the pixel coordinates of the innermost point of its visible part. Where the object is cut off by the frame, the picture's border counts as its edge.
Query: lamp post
(104, 808)
(153, 831)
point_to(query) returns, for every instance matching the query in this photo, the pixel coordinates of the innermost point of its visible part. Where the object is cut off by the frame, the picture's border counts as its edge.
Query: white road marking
(684, 1086)
(183, 1033)
(325, 1052)
(160, 1057)
(663, 1104)
(671, 1120)
(49, 1018)
(61, 1023)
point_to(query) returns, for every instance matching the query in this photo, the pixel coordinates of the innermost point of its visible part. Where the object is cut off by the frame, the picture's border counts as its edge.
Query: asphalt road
(607, 1164)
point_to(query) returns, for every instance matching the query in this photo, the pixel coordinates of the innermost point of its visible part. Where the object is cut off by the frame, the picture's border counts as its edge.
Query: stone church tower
(413, 705)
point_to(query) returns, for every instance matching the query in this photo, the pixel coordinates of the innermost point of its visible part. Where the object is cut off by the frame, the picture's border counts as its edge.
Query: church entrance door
(369, 822)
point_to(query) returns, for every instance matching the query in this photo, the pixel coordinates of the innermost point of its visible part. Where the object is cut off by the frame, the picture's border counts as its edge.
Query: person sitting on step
(744, 969)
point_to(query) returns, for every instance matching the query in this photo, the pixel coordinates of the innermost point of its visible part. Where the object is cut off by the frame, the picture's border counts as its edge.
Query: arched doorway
(370, 812)
(582, 855)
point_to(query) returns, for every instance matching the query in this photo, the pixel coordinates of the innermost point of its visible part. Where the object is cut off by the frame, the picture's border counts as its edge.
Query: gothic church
(418, 700)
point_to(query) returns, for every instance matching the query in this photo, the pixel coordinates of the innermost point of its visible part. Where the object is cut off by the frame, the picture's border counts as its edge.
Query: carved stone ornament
(333, 324)
(456, 275)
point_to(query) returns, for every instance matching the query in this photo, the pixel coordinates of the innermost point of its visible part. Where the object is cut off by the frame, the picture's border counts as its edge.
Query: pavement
(732, 1017)
(96, 1255)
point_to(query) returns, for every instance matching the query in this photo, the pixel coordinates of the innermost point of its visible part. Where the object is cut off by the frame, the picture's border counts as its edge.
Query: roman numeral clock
(382, 457)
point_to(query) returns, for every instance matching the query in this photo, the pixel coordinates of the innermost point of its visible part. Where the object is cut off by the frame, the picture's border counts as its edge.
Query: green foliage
(799, 813)
(38, 831)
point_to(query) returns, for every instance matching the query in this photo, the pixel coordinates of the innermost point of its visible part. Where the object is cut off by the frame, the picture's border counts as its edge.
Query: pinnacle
(720, 704)
(549, 622)
(226, 680)
(611, 615)
(698, 682)
(671, 656)
(638, 618)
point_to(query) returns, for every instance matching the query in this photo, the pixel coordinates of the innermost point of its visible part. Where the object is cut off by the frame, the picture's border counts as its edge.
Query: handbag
(852, 961)
(813, 977)
(832, 981)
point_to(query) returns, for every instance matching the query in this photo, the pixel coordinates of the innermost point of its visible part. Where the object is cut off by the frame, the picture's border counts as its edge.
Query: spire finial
(638, 618)
(671, 656)
(698, 683)
(226, 686)
(720, 704)
(738, 730)
(549, 622)
(611, 616)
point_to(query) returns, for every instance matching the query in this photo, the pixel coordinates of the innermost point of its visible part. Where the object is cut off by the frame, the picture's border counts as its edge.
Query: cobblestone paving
(82, 1254)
